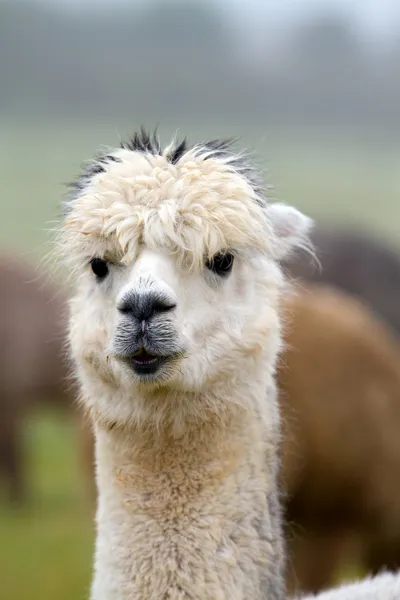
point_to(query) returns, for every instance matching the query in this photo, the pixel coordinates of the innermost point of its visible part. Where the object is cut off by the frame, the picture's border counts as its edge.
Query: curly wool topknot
(192, 201)
(147, 143)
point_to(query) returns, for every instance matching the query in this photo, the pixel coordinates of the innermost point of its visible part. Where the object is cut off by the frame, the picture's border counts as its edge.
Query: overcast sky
(379, 18)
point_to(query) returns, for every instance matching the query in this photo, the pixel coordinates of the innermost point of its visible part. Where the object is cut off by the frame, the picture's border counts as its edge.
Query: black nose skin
(142, 306)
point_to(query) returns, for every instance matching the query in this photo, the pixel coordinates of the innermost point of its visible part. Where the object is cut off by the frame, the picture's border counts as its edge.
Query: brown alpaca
(356, 263)
(339, 382)
(32, 365)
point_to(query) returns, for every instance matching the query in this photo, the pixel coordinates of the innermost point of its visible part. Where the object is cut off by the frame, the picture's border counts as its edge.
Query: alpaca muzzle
(145, 345)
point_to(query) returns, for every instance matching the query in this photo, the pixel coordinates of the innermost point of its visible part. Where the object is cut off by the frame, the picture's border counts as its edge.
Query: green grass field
(45, 550)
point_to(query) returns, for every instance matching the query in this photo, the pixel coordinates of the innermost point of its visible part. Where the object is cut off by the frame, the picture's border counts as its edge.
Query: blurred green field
(45, 550)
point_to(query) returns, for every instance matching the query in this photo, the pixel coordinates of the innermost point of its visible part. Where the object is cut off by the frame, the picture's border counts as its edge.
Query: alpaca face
(176, 260)
(160, 323)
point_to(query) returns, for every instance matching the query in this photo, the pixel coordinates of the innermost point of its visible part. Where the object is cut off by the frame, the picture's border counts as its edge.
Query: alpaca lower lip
(143, 362)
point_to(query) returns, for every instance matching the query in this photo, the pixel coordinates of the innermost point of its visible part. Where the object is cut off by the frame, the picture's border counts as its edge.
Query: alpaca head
(176, 256)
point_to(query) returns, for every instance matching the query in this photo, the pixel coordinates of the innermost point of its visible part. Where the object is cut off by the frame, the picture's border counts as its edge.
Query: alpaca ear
(291, 229)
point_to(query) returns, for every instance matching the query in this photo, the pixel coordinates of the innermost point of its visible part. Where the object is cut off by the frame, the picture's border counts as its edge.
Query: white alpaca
(174, 330)
(382, 587)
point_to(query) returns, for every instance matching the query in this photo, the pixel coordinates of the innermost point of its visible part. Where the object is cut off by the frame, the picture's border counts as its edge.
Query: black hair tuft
(143, 141)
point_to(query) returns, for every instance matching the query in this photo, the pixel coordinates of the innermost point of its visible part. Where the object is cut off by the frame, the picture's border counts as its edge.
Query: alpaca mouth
(146, 359)
(144, 362)
(142, 357)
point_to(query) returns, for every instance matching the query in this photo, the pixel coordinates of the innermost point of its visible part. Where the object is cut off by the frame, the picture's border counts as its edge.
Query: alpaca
(32, 365)
(174, 331)
(357, 263)
(339, 382)
(331, 519)
(382, 587)
(339, 506)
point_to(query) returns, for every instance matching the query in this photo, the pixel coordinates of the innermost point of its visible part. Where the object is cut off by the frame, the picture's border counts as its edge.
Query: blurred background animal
(339, 381)
(357, 262)
(33, 366)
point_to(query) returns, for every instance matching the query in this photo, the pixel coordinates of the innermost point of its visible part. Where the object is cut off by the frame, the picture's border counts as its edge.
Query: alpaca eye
(221, 263)
(99, 267)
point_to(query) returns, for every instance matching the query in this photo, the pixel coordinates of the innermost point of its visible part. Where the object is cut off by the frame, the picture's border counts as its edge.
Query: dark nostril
(144, 306)
(162, 306)
(124, 308)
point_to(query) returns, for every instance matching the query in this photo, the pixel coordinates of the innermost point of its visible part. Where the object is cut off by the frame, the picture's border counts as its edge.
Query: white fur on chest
(184, 524)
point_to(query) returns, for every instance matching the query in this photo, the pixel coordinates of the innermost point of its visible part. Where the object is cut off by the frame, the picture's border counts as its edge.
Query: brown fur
(340, 401)
(32, 364)
(357, 263)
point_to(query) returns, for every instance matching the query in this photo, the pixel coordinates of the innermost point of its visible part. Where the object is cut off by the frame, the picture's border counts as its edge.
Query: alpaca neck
(190, 516)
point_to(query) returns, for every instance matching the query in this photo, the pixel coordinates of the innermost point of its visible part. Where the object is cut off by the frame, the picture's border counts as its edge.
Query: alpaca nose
(142, 306)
